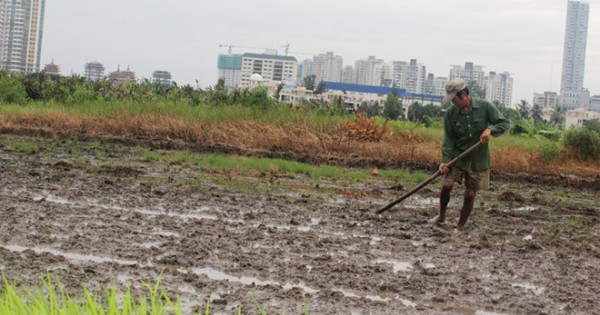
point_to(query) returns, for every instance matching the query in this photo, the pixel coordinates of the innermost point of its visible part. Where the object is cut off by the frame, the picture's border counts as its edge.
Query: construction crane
(286, 46)
(230, 47)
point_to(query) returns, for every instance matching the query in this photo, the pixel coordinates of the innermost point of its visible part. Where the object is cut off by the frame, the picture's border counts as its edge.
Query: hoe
(429, 180)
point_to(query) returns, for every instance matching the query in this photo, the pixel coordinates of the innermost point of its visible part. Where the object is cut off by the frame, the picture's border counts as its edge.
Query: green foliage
(11, 90)
(522, 126)
(370, 110)
(509, 113)
(592, 125)
(393, 108)
(424, 114)
(582, 142)
(309, 82)
(320, 88)
(50, 298)
(550, 151)
(523, 109)
(558, 117)
(537, 114)
(23, 147)
(573, 223)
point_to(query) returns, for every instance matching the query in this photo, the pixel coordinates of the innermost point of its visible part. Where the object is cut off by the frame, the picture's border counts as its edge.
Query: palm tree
(558, 117)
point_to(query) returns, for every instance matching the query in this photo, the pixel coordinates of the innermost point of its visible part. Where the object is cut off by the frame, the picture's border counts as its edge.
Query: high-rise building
(498, 87)
(572, 93)
(409, 76)
(470, 72)
(325, 67)
(348, 75)
(435, 85)
(230, 69)
(94, 71)
(370, 71)
(21, 25)
(274, 69)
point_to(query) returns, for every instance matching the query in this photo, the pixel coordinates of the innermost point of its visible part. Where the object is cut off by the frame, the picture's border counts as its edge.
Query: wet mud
(100, 214)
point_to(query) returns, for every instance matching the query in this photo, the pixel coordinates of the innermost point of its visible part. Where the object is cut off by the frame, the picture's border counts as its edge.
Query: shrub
(582, 143)
(550, 151)
(12, 91)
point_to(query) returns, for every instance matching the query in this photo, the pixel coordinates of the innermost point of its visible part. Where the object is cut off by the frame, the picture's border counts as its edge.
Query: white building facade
(499, 87)
(325, 67)
(370, 71)
(470, 72)
(546, 99)
(274, 69)
(409, 76)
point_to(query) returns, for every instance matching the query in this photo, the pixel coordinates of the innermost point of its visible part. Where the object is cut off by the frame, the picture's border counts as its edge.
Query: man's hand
(443, 168)
(485, 136)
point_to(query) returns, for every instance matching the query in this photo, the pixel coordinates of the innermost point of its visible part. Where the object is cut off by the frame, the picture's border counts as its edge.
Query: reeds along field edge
(332, 140)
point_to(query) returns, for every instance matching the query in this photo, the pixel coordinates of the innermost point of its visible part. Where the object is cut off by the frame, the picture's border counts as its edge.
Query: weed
(24, 147)
(150, 156)
(573, 223)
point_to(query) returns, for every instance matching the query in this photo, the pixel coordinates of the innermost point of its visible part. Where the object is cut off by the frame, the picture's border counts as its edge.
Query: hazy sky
(523, 37)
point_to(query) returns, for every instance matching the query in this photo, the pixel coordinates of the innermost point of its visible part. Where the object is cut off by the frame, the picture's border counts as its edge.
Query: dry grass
(361, 143)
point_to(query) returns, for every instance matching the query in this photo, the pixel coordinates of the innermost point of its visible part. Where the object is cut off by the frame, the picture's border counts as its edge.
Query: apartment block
(325, 67)
(546, 99)
(274, 69)
(21, 25)
(370, 71)
(499, 87)
(435, 85)
(409, 76)
(470, 72)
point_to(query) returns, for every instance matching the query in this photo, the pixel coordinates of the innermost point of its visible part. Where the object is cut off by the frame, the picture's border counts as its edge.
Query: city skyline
(525, 39)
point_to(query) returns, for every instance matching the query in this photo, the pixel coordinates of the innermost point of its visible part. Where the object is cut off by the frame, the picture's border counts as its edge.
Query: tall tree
(537, 114)
(523, 108)
(320, 87)
(558, 117)
(392, 109)
(309, 82)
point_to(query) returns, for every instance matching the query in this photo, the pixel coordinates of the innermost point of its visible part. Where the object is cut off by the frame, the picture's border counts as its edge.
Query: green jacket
(462, 130)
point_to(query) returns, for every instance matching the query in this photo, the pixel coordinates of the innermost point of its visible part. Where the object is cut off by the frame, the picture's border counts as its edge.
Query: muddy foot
(437, 220)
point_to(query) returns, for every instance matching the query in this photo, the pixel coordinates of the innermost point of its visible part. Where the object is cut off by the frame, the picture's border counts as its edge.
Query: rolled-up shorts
(470, 178)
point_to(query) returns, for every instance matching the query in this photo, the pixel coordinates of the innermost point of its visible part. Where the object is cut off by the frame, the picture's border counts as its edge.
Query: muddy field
(99, 214)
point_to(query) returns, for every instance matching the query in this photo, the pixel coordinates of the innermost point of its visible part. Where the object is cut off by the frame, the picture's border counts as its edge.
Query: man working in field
(468, 121)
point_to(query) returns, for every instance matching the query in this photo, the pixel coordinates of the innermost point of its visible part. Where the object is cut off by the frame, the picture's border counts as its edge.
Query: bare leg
(469, 201)
(444, 199)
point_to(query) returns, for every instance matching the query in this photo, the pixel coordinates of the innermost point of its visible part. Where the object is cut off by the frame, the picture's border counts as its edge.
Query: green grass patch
(248, 165)
(23, 147)
(50, 298)
(573, 223)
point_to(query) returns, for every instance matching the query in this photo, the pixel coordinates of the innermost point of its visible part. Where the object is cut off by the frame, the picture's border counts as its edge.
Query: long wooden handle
(430, 179)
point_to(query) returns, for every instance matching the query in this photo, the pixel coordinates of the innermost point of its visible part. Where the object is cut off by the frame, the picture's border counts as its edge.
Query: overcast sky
(523, 37)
